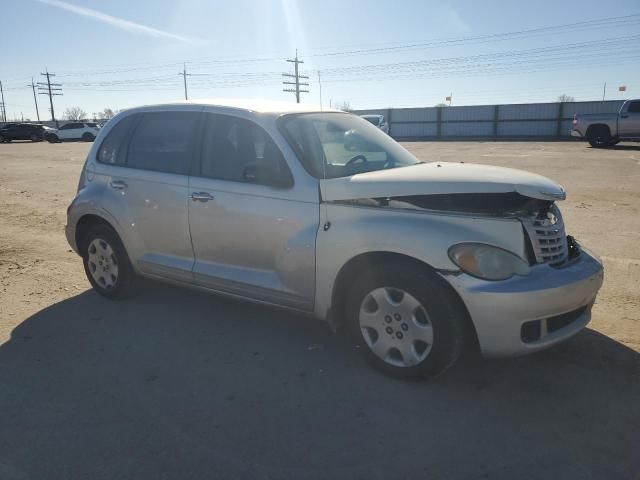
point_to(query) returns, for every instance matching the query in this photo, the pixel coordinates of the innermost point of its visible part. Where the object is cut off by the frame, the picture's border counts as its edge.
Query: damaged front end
(546, 241)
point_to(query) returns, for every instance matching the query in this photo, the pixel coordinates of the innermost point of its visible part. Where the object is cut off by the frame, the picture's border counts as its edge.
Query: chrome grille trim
(548, 237)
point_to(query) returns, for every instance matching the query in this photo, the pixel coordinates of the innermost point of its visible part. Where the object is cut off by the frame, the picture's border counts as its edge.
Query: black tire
(599, 136)
(2, 139)
(122, 286)
(34, 138)
(52, 138)
(88, 137)
(444, 313)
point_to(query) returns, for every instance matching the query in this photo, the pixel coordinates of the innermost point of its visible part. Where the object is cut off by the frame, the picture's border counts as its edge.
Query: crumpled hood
(440, 178)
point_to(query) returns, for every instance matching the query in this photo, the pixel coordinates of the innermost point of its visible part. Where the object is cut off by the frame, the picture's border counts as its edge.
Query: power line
(296, 76)
(50, 89)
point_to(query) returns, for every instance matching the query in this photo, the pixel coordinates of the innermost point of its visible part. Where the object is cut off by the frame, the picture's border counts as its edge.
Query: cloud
(115, 21)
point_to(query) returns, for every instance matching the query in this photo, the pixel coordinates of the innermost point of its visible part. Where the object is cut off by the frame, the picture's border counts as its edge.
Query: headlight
(487, 262)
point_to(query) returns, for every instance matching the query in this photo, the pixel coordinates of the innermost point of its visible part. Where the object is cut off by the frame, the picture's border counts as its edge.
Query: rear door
(253, 230)
(629, 121)
(145, 161)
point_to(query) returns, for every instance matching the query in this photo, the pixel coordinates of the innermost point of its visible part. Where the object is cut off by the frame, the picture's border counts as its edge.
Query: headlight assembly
(487, 262)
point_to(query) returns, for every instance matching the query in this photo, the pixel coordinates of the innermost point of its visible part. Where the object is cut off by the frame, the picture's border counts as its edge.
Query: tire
(599, 136)
(34, 138)
(88, 137)
(418, 319)
(106, 263)
(52, 138)
(2, 139)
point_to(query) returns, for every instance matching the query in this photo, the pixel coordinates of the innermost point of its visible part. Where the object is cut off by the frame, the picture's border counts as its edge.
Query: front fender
(425, 236)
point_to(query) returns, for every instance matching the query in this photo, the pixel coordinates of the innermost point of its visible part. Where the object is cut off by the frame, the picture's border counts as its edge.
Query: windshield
(332, 145)
(373, 120)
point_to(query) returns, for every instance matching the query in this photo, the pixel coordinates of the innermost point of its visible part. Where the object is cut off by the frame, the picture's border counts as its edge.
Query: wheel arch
(85, 223)
(374, 259)
(594, 126)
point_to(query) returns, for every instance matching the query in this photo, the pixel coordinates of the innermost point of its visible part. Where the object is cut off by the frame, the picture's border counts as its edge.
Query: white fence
(527, 120)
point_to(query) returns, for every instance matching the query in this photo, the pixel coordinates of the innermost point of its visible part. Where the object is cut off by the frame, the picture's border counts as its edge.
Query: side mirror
(263, 174)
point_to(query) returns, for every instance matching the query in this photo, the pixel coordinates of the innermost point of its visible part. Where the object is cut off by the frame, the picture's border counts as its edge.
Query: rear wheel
(599, 136)
(406, 323)
(2, 139)
(88, 137)
(51, 138)
(106, 262)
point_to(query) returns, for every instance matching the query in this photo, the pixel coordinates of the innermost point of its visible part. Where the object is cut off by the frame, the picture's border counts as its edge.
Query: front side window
(634, 107)
(163, 142)
(238, 150)
(332, 145)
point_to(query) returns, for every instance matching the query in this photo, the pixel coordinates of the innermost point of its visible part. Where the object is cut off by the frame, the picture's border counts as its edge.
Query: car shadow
(180, 384)
(635, 148)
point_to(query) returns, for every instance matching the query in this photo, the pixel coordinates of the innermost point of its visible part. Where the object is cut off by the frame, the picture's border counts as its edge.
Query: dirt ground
(180, 384)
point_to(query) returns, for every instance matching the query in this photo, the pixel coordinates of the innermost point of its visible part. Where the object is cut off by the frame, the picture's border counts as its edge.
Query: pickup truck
(606, 129)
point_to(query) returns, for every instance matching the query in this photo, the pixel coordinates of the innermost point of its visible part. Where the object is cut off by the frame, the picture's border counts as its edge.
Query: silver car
(263, 201)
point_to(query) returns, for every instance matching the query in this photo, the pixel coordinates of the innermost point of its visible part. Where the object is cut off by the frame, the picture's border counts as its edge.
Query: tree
(74, 113)
(564, 98)
(107, 114)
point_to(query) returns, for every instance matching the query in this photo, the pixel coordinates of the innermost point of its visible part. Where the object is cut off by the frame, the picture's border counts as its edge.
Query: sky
(369, 53)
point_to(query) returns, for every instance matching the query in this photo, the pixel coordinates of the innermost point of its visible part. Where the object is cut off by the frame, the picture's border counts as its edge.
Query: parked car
(607, 129)
(261, 201)
(73, 131)
(378, 121)
(21, 131)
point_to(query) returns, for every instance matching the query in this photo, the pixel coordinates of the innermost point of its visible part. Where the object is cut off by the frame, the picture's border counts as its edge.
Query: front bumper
(500, 309)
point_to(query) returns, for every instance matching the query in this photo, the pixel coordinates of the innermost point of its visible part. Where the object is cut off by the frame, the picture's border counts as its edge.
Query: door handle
(118, 184)
(201, 196)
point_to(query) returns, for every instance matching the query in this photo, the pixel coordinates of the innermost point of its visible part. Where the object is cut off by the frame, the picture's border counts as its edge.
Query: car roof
(253, 105)
(372, 116)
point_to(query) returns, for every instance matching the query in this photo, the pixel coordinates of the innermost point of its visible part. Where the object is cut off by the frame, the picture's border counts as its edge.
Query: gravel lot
(178, 384)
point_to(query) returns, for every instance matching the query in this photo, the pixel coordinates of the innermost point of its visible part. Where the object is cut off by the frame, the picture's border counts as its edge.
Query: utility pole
(184, 77)
(320, 89)
(296, 76)
(604, 90)
(4, 107)
(35, 99)
(50, 89)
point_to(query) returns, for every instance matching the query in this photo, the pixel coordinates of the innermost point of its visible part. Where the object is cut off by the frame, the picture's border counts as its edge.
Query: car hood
(440, 178)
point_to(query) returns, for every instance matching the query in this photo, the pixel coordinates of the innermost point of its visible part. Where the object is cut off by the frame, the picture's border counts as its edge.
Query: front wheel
(52, 139)
(106, 263)
(2, 139)
(88, 137)
(405, 321)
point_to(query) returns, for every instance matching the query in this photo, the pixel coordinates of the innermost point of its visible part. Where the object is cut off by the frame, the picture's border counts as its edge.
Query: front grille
(547, 235)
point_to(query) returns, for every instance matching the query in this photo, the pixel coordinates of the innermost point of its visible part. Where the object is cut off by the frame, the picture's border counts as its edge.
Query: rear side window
(634, 107)
(114, 148)
(163, 142)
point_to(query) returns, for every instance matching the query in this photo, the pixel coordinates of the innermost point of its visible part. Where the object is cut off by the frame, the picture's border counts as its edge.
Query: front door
(252, 234)
(629, 121)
